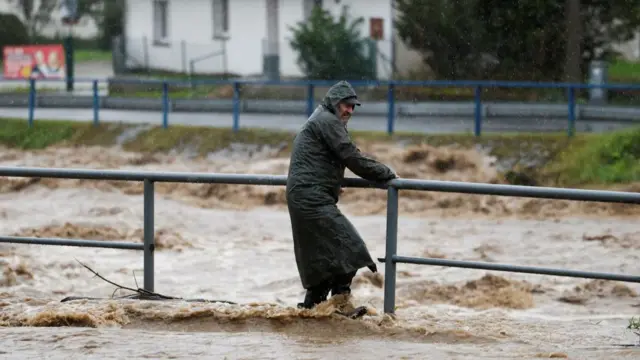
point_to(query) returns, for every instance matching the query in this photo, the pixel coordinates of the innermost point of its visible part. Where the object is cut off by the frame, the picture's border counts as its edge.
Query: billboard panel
(34, 61)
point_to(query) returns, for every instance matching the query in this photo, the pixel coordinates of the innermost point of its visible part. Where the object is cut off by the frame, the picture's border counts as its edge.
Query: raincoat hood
(338, 92)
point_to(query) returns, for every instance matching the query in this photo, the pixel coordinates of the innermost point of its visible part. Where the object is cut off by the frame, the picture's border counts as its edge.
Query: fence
(143, 54)
(165, 103)
(391, 257)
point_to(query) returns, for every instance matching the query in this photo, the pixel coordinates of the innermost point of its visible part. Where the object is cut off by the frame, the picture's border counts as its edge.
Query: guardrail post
(572, 111)
(236, 106)
(32, 100)
(478, 111)
(391, 98)
(391, 250)
(310, 102)
(165, 104)
(96, 103)
(149, 242)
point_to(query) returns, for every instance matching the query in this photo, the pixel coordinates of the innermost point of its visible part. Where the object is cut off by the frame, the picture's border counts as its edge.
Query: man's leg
(342, 284)
(315, 295)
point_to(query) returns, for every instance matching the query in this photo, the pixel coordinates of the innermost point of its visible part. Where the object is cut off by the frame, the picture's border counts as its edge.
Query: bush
(12, 31)
(111, 23)
(603, 159)
(330, 49)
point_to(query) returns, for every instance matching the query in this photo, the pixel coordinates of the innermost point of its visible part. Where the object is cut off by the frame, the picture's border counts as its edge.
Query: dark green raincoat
(325, 241)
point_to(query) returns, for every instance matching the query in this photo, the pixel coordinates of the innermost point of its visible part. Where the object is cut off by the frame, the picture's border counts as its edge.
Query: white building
(180, 36)
(631, 49)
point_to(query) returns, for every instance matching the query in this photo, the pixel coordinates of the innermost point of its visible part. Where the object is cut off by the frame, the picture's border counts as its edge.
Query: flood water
(234, 243)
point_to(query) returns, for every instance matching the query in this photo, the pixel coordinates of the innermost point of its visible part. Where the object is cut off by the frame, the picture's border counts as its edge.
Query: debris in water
(140, 294)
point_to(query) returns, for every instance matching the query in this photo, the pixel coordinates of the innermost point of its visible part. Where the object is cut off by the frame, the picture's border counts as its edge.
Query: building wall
(630, 49)
(190, 34)
(407, 59)
(190, 37)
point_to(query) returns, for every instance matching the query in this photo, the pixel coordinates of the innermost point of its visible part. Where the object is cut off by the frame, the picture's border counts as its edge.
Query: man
(328, 249)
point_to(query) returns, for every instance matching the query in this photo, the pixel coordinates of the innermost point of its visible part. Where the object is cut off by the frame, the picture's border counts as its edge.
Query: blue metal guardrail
(391, 257)
(570, 89)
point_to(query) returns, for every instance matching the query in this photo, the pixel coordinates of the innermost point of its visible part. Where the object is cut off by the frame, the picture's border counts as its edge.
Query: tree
(92, 8)
(573, 46)
(526, 38)
(12, 31)
(605, 22)
(36, 14)
(331, 49)
(110, 22)
(446, 32)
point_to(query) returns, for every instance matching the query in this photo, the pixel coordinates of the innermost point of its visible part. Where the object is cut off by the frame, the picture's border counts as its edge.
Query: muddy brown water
(234, 243)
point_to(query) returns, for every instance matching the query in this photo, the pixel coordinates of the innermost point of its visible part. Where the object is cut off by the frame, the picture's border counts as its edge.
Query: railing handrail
(461, 187)
(425, 83)
(393, 186)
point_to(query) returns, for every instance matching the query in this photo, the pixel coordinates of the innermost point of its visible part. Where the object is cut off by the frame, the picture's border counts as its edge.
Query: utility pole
(71, 18)
(573, 47)
(271, 56)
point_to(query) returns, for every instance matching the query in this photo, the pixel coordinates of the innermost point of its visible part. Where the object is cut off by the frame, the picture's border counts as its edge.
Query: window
(308, 5)
(161, 21)
(220, 18)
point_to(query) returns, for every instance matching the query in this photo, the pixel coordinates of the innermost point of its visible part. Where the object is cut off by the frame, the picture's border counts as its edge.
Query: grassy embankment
(587, 160)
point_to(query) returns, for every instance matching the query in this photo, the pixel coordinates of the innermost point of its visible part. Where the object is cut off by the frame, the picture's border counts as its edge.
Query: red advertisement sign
(34, 61)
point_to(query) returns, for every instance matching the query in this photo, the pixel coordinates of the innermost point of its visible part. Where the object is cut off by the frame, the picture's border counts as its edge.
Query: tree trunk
(573, 48)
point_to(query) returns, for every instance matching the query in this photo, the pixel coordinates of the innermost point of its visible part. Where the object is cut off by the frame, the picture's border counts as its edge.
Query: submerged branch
(139, 293)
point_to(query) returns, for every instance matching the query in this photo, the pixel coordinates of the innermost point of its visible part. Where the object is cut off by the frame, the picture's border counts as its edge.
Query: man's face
(344, 111)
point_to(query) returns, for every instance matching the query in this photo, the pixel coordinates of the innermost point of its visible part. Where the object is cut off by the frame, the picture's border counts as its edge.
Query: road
(292, 122)
(102, 69)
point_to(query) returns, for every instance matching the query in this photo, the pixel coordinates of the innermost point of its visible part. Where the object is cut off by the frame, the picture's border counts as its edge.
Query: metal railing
(391, 85)
(391, 257)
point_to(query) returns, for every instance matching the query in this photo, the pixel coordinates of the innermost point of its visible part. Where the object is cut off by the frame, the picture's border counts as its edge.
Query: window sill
(222, 36)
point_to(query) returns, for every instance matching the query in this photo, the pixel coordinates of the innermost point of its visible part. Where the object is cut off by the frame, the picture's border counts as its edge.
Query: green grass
(611, 158)
(203, 139)
(17, 134)
(92, 55)
(586, 160)
(88, 55)
(625, 71)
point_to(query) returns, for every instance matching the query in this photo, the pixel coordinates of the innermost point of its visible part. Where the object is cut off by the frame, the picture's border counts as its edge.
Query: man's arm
(337, 138)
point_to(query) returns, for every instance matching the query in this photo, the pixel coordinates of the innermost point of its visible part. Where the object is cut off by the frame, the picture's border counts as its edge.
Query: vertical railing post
(478, 111)
(149, 242)
(236, 106)
(96, 103)
(165, 104)
(391, 250)
(32, 100)
(310, 102)
(571, 111)
(391, 102)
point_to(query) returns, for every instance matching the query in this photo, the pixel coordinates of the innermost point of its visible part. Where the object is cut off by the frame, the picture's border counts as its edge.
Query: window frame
(160, 13)
(220, 19)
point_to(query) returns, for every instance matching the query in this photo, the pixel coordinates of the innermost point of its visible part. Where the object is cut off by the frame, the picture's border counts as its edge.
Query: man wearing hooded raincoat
(328, 249)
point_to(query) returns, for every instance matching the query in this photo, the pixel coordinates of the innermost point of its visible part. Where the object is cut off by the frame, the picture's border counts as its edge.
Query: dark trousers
(339, 284)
